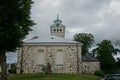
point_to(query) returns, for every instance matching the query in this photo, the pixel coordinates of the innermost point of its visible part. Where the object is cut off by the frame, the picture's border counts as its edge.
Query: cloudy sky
(98, 17)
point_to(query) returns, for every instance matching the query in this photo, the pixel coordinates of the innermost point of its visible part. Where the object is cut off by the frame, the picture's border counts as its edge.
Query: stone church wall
(90, 66)
(28, 52)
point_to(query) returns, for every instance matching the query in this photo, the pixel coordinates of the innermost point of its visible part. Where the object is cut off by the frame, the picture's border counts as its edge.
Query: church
(62, 55)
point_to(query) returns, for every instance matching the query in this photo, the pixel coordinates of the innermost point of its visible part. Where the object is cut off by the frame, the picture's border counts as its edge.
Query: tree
(117, 70)
(86, 39)
(118, 63)
(104, 52)
(15, 24)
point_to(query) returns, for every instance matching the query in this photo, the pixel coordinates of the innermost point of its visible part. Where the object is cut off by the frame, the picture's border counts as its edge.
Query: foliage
(47, 69)
(44, 69)
(118, 63)
(86, 39)
(53, 77)
(12, 68)
(15, 24)
(99, 73)
(12, 71)
(104, 52)
(117, 69)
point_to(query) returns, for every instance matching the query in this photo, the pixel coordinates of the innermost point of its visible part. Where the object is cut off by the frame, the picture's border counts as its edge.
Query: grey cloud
(89, 16)
(98, 17)
(11, 57)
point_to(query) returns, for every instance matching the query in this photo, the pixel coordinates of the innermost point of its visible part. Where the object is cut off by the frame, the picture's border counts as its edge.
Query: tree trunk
(3, 75)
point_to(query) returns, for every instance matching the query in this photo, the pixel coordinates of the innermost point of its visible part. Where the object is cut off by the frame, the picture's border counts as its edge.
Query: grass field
(52, 77)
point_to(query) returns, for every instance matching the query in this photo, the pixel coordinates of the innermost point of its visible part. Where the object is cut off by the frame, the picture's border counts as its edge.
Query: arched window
(54, 30)
(57, 30)
(40, 57)
(59, 57)
(60, 30)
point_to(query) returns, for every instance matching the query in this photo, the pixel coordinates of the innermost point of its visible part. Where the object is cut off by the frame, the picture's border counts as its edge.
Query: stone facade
(90, 66)
(70, 65)
(63, 55)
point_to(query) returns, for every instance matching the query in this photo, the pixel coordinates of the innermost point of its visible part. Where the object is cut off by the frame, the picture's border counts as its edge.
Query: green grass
(52, 77)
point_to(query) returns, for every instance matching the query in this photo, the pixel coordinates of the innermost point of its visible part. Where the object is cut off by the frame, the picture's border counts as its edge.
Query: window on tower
(57, 30)
(54, 30)
(60, 30)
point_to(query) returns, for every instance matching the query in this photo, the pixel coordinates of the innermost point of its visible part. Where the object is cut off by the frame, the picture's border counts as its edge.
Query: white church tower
(58, 29)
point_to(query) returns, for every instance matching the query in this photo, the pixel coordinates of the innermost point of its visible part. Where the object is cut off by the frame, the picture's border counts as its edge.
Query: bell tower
(58, 29)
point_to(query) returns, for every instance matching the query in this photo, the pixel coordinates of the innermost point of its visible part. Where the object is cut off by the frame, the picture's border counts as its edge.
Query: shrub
(13, 70)
(44, 69)
(115, 71)
(99, 73)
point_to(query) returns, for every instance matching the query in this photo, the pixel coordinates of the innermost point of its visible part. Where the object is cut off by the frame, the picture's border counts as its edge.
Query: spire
(57, 20)
(57, 16)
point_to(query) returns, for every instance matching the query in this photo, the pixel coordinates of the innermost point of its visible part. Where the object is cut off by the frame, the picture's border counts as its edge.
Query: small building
(63, 55)
(89, 63)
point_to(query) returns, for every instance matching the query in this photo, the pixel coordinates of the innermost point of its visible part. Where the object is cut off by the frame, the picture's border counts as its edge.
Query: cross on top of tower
(57, 20)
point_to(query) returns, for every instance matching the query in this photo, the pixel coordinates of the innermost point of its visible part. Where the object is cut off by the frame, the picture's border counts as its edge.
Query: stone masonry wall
(28, 58)
(90, 67)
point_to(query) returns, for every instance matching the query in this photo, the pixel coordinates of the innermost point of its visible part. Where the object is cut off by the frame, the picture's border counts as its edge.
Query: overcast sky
(98, 17)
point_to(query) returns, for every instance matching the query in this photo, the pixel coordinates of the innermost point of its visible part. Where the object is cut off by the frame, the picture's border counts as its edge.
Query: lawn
(52, 77)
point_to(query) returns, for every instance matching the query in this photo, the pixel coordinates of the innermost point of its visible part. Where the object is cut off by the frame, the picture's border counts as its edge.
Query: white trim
(52, 44)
